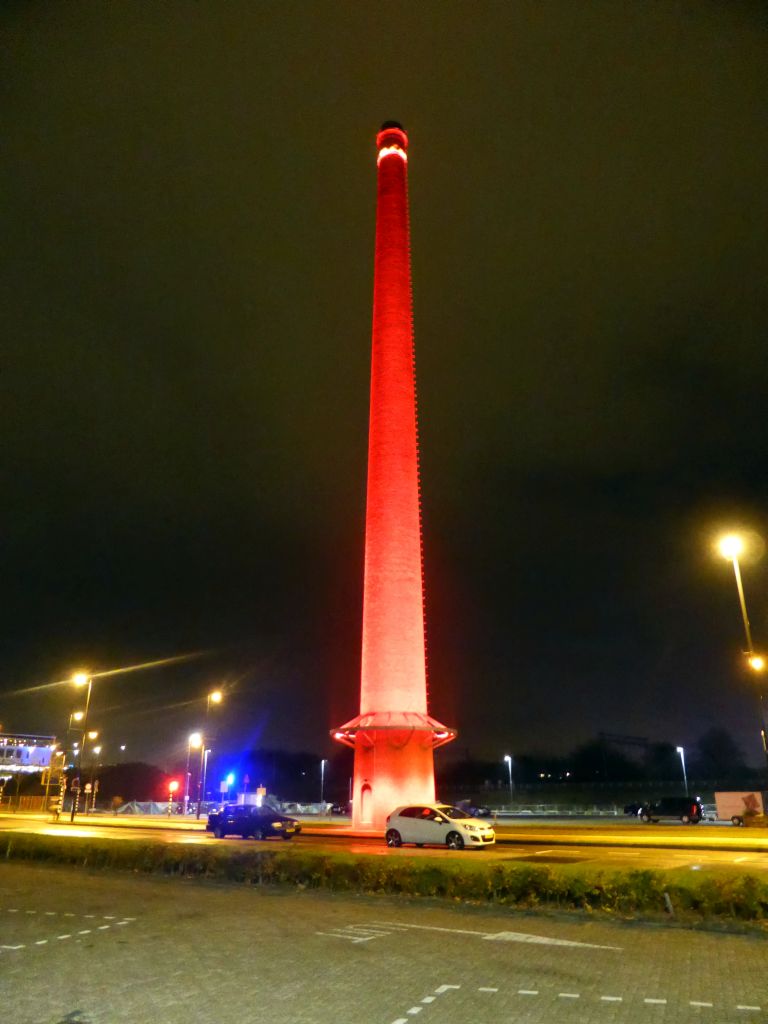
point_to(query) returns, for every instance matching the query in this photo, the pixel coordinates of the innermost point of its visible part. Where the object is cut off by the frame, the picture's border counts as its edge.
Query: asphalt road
(104, 949)
(600, 844)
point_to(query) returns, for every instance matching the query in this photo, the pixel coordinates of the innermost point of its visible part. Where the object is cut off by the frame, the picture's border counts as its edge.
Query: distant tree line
(715, 755)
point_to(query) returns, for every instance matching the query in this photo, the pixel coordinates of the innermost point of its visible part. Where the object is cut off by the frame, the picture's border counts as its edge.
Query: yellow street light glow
(730, 546)
(215, 697)
(97, 750)
(195, 739)
(78, 715)
(757, 663)
(92, 734)
(80, 678)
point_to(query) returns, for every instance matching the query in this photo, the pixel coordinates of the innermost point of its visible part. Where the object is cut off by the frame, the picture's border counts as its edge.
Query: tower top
(392, 139)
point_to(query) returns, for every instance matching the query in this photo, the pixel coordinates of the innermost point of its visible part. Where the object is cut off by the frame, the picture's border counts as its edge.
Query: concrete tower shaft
(393, 736)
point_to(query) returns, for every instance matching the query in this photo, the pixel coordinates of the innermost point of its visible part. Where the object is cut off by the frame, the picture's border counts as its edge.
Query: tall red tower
(393, 736)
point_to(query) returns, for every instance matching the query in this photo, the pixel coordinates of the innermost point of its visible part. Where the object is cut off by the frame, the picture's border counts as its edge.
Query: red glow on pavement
(393, 764)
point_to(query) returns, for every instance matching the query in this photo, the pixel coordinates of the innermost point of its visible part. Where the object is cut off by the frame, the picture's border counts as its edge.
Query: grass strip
(691, 896)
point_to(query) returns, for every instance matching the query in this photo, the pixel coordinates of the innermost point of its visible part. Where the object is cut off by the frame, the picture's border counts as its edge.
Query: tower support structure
(393, 736)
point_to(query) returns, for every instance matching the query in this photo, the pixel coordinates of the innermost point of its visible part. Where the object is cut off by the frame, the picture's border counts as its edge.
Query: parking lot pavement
(80, 948)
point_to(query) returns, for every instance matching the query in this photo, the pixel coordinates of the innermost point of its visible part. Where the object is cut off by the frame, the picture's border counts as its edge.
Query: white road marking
(568, 995)
(527, 991)
(85, 931)
(89, 915)
(31, 911)
(400, 1020)
(542, 940)
(103, 926)
(501, 936)
(331, 935)
(41, 942)
(13, 911)
(414, 1010)
(656, 1002)
(444, 988)
(740, 860)
(63, 936)
(50, 913)
(483, 989)
(741, 1007)
(428, 999)
(13, 947)
(612, 999)
(694, 1002)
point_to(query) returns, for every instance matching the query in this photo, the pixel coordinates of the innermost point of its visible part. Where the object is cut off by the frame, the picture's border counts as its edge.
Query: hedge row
(725, 895)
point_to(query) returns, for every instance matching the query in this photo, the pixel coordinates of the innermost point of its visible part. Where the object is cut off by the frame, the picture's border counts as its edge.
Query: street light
(195, 739)
(214, 697)
(730, 547)
(323, 763)
(681, 752)
(81, 679)
(508, 759)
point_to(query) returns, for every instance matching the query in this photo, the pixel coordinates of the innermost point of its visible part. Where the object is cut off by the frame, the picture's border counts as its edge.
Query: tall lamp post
(81, 679)
(508, 760)
(214, 697)
(194, 740)
(730, 547)
(681, 752)
(323, 763)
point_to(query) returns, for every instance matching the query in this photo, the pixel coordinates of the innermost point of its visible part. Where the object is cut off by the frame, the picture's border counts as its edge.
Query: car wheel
(736, 820)
(646, 818)
(394, 838)
(454, 841)
(218, 832)
(258, 834)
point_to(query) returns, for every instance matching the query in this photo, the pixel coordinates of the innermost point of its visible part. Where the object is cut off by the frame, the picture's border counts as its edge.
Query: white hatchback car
(437, 823)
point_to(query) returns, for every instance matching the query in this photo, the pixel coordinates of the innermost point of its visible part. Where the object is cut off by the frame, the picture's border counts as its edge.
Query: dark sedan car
(249, 821)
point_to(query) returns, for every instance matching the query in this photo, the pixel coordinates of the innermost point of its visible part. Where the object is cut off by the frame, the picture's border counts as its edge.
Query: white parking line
(656, 1002)
(569, 995)
(694, 1002)
(428, 999)
(483, 989)
(741, 1007)
(527, 991)
(612, 999)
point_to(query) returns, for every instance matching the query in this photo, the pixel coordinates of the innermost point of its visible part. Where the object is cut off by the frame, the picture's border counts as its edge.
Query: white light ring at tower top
(391, 151)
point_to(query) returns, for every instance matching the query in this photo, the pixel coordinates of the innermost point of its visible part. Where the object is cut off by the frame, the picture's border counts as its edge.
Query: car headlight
(277, 824)
(473, 828)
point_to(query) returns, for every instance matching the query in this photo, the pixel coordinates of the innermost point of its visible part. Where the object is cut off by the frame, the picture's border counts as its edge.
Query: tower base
(394, 762)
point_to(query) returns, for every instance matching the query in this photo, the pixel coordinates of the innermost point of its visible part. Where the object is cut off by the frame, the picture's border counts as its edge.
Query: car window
(409, 812)
(453, 812)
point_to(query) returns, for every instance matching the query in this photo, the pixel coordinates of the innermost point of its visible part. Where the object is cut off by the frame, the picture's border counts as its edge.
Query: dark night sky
(188, 212)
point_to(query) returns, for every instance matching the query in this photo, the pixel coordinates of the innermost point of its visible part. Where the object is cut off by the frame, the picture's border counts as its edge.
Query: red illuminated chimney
(393, 736)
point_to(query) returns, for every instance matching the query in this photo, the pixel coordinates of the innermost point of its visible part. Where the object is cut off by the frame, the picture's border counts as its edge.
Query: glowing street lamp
(508, 759)
(81, 679)
(681, 752)
(731, 546)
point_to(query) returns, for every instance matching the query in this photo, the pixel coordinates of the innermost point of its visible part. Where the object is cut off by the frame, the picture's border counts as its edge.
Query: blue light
(230, 778)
